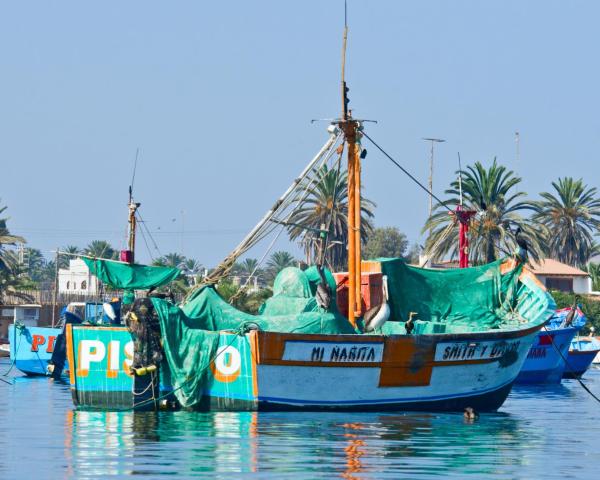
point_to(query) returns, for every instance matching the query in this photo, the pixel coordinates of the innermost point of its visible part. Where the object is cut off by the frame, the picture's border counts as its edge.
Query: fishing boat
(546, 360)
(32, 347)
(581, 355)
(405, 338)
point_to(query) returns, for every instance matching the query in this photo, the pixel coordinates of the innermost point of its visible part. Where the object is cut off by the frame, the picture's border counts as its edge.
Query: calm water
(540, 432)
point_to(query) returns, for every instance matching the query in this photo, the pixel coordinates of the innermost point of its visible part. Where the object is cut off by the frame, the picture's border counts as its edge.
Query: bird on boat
(410, 324)
(470, 414)
(522, 251)
(376, 316)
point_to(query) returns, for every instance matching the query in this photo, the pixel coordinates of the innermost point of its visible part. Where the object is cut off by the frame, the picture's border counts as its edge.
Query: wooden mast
(129, 255)
(350, 128)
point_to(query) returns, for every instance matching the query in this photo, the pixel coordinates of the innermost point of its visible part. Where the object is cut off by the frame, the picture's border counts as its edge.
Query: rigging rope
(583, 385)
(282, 224)
(407, 172)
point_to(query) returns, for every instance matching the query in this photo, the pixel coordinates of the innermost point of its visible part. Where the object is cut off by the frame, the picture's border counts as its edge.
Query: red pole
(464, 217)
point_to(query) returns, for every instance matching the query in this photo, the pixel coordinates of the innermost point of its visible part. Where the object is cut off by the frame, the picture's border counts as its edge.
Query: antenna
(137, 153)
(460, 180)
(433, 142)
(345, 99)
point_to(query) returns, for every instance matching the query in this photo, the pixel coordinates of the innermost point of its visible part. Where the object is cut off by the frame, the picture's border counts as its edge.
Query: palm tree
(572, 217)
(63, 260)
(248, 268)
(594, 270)
(34, 263)
(100, 249)
(492, 192)
(191, 266)
(7, 261)
(174, 260)
(324, 201)
(278, 261)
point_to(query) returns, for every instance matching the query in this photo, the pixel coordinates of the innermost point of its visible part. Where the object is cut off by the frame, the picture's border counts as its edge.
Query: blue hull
(578, 363)
(31, 348)
(545, 362)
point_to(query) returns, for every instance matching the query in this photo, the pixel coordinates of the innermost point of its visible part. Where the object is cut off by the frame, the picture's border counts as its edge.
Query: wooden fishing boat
(581, 355)
(546, 361)
(409, 338)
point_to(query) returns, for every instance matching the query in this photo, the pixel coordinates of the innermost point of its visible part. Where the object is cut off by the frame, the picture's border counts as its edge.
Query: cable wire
(407, 172)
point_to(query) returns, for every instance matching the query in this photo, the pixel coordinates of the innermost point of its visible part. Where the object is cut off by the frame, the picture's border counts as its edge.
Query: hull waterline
(283, 371)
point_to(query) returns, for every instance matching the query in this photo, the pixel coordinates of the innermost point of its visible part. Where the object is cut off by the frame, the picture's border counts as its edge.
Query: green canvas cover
(462, 300)
(131, 276)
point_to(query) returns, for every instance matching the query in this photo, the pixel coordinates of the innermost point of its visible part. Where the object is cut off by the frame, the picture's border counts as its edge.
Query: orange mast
(350, 128)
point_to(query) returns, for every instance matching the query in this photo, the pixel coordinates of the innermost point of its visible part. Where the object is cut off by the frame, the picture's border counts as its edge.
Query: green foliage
(63, 260)
(412, 256)
(489, 235)
(571, 216)
(324, 201)
(245, 301)
(101, 249)
(594, 270)
(385, 242)
(589, 305)
(278, 261)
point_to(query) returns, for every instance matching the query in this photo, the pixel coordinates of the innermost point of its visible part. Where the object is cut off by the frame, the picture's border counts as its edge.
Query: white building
(77, 279)
(560, 276)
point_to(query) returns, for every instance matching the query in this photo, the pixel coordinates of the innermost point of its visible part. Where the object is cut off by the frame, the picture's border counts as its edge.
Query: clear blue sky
(218, 96)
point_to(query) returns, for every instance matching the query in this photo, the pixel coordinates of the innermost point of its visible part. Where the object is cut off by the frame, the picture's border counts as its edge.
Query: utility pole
(517, 143)
(433, 142)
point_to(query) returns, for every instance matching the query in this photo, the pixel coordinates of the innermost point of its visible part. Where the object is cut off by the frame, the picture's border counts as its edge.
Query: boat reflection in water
(311, 444)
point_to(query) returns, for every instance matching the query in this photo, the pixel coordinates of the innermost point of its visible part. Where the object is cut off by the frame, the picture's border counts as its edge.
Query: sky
(218, 98)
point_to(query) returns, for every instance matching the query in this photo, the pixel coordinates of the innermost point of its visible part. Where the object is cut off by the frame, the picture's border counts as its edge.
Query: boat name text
(331, 352)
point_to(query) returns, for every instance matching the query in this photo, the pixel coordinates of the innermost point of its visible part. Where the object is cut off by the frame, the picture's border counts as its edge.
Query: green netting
(131, 277)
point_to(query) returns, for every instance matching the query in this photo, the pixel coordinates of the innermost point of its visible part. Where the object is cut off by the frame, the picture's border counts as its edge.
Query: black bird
(522, 252)
(482, 204)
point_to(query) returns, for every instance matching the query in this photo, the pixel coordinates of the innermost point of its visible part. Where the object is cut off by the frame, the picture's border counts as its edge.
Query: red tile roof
(554, 267)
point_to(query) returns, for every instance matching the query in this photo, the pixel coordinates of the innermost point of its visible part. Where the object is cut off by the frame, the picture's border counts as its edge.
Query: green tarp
(131, 276)
(463, 300)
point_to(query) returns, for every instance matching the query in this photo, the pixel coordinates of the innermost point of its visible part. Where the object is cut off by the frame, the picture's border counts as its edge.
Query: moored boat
(581, 355)
(546, 360)
(412, 338)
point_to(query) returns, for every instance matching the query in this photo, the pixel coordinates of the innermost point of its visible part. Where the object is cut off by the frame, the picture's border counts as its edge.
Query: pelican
(379, 314)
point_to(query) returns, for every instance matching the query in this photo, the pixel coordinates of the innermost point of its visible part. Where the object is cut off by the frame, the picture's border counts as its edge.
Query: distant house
(77, 279)
(560, 276)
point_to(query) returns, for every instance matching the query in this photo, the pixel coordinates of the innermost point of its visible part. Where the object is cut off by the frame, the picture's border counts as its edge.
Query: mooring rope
(584, 386)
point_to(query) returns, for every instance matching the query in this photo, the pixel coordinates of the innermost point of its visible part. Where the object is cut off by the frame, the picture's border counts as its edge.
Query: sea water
(540, 432)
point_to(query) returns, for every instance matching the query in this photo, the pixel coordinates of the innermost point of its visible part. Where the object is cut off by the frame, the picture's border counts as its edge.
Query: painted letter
(90, 351)
(37, 341)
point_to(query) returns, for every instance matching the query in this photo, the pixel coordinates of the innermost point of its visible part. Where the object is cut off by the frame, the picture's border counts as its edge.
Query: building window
(83, 285)
(560, 284)
(68, 285)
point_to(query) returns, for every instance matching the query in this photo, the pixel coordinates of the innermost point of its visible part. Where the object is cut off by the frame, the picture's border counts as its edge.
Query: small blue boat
(581, 355)
(33, 347)
(545, 362)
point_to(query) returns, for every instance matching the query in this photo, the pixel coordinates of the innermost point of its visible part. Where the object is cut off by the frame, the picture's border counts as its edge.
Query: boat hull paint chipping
(282, 371)
(545, 361)
(31, 348)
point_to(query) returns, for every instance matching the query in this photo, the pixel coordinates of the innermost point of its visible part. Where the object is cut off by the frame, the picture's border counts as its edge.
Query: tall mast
(350, 128)
(129, 254)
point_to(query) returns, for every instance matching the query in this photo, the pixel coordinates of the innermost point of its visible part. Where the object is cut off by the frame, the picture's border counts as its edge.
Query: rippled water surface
(539, 433)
